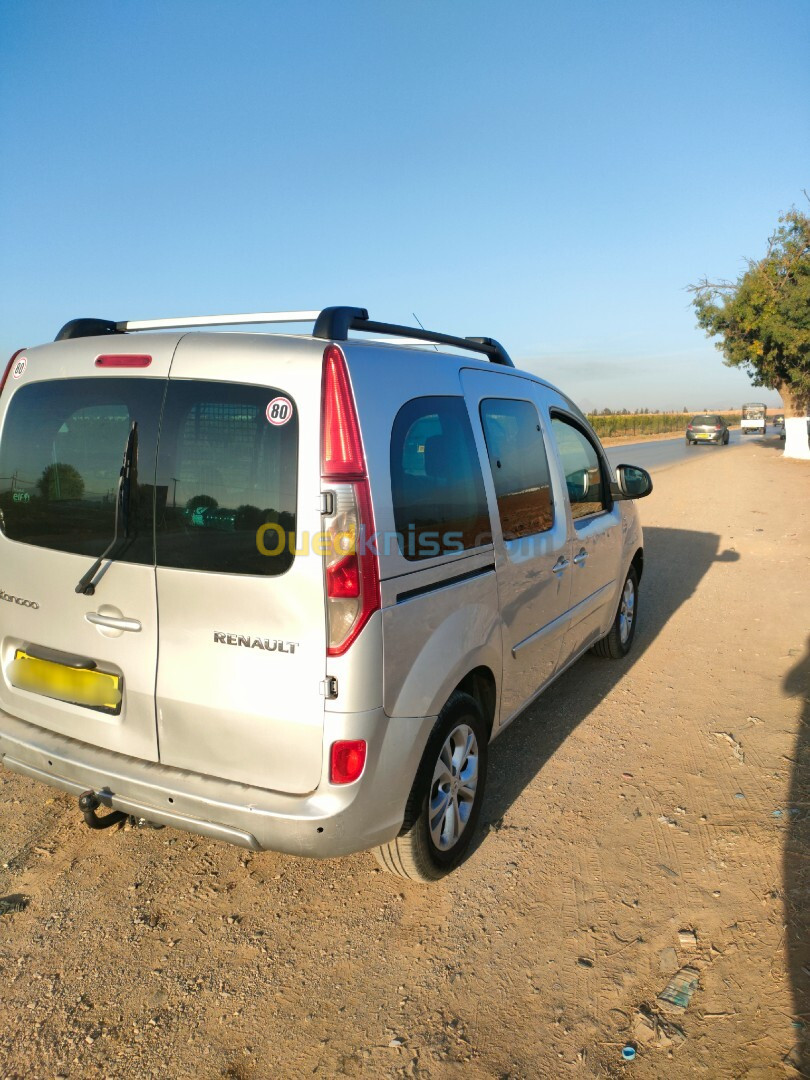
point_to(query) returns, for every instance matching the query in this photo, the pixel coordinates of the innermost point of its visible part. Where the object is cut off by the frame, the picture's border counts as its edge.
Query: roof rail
(331, 324)
(334, 324)
(86, 328)
(94, 327)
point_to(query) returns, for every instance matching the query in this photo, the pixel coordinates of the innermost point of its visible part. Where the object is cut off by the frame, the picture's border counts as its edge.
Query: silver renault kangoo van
(284, 590)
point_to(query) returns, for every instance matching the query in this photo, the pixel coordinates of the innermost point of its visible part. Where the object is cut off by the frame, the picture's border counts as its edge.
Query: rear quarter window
(436, 483)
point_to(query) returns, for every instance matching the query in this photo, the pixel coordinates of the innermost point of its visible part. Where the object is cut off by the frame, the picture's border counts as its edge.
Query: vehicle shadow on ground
(797, 864)
(675, 560)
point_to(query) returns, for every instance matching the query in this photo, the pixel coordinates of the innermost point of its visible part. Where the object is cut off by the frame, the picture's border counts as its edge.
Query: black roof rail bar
(77, 328)
(334, 324)
(331, 324)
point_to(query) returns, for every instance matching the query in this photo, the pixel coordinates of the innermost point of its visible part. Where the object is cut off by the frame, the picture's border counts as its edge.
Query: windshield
(705, 421)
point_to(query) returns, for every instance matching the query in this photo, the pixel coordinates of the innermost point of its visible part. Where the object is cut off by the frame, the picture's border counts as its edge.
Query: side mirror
(631, 483)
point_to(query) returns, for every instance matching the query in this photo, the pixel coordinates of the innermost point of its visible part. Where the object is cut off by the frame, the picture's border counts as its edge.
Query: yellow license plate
(703, 435)
(79, 686)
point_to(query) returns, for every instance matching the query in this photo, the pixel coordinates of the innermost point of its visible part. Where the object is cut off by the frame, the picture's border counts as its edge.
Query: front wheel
(616, 644)
(445, 801)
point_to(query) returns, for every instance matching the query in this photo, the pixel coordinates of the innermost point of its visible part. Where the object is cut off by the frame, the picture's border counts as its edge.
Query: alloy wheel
(453, 788)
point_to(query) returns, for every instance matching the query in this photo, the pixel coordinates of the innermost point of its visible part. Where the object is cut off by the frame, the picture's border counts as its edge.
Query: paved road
(660, 454)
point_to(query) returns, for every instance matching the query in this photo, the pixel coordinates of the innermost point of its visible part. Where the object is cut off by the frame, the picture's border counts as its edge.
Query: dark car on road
(707, 427)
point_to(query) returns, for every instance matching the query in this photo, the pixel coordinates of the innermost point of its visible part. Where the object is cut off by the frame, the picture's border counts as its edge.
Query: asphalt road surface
(660, 454)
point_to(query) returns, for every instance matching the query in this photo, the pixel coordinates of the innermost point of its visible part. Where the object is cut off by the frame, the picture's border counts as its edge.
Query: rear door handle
(112, 622)
(579, 560)
(560, 565)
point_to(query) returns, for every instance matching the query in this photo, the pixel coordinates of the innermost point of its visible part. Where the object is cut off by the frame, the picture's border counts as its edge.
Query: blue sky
(549, 174)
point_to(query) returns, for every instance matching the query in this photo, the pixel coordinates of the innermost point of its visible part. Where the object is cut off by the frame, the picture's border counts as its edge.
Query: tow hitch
(89, 802)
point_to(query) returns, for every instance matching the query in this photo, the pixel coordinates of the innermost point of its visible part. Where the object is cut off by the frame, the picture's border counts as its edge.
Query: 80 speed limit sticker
(279, 411)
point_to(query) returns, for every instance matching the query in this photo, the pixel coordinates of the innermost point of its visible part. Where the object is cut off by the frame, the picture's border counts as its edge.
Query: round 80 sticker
(19, 367)
(279, 411)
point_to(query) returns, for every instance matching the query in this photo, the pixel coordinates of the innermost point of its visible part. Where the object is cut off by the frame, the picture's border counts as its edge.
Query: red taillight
(718, 427)
(123, 361)
(9, 366)
(688, 427)
(343, 578)
(351, 570)
(347, 760)
(342, 446)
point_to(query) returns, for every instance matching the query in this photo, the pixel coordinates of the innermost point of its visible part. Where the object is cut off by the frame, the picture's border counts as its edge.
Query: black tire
(689, 442)
(414, 853)
(725, 439)
(618, 641)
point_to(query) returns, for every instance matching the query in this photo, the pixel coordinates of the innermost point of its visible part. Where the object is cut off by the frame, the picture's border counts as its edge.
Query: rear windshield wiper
(122, 511)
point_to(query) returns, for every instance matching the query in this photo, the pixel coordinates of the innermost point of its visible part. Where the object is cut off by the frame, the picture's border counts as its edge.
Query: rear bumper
(333, 820)
(717, 437)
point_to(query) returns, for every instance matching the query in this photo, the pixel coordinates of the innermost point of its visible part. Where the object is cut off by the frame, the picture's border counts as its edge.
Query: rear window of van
(227, 479)
(60, 460)
(218, 496)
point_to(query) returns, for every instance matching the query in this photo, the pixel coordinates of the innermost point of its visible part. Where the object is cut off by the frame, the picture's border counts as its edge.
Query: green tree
(207, 502)
(60, 481)
(763, 318)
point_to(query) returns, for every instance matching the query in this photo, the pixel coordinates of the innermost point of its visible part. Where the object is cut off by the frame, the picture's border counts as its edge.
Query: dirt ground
(667, 793)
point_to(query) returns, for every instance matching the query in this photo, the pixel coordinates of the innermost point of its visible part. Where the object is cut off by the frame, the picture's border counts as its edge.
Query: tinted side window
(583, 472)
(436, 482)
(60, 461)
(224, 471)
(517, 456)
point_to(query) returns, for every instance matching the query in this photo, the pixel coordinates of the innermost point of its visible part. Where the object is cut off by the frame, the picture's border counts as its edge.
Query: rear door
(533, 556)
(240, 574)
(61, 449)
